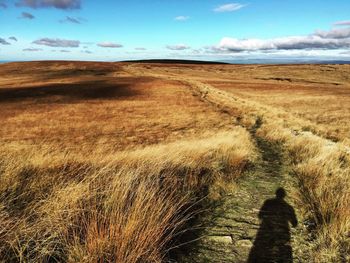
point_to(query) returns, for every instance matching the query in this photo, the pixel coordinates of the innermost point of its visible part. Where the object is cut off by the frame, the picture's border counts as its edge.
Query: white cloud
(334, 33)
(109, 45)
(56, 42)
(345, 53)
(59, 4)
(178, 47)
(321, 40)
(26, 15)
(4, 42)
(32, 49)
(181, 18)
(342, 23)
(228, 7)
(73, 20)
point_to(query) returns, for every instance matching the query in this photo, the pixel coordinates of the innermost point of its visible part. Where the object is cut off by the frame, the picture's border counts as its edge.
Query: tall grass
(112, 207)
(323, 172)
(322, 169)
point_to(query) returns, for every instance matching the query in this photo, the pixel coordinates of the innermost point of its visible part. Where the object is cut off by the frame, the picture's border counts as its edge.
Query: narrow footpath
(233, 231)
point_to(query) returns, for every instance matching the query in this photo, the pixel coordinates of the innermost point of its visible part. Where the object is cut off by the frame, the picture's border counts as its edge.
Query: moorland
(153, 162)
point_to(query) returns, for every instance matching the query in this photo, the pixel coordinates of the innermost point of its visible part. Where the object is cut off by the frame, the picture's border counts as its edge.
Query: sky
(112, 30)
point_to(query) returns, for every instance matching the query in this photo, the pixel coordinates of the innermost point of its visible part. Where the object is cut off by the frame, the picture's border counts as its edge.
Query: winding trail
(232, 224)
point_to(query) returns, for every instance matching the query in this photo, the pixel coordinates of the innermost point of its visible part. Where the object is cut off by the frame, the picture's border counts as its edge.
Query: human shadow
(273, 240)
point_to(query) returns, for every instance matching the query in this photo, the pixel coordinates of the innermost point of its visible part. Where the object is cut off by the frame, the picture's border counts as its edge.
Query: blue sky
(194, 29)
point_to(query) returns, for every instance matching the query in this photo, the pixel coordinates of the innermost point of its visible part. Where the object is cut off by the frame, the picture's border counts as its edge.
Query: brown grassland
(107, 162)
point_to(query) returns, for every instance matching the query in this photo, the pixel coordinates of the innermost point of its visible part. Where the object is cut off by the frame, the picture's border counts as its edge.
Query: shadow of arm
(293, 217)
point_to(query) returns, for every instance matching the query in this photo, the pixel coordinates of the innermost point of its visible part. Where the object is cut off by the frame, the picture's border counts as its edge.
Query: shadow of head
(281, 193)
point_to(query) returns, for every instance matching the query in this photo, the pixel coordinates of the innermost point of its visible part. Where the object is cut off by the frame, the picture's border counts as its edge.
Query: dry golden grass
(316, 106)
(121, 207)
(322, 170)
(305, 108)
(109, 170)
(116, 112)
(316, 95)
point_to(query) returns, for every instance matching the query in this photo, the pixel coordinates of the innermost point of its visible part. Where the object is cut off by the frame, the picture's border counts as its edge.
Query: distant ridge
(291, 61)
(175, 61)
